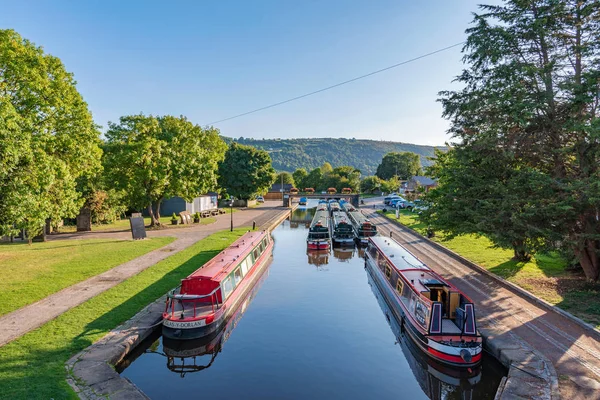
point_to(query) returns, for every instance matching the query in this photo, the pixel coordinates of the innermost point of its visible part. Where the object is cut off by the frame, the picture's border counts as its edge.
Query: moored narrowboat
(343, 231)
(363, 227)
(437, 316)
(347, 206)
(334, 206)
(303, 201)
(208, 296)
(319, 232)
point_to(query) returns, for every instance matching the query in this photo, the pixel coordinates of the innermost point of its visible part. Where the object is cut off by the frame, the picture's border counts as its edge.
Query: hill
(291, 154)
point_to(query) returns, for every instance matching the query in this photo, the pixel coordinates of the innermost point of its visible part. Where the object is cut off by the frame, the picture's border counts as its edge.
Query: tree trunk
(154, 211)
(521, 252)
(588, 258)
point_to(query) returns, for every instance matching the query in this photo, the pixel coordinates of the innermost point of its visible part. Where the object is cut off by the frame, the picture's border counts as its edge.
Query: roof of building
(276, 187)
(424, 180)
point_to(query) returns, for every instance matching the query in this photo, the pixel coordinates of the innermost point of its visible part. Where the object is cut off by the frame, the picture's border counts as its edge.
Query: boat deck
(449, 327)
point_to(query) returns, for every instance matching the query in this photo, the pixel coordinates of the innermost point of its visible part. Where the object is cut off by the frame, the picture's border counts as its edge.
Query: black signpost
(138, 230)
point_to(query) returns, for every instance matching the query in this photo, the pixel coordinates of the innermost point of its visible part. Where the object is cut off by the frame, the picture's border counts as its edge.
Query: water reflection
(437, 380)
(318, 258)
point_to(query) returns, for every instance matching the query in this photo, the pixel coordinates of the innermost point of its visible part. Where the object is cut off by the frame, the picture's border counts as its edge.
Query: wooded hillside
(291, 154)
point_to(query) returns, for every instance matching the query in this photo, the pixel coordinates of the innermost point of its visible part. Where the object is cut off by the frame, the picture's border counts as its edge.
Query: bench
(205, 214)
(186, 218)
(221, 211)
(214, 212)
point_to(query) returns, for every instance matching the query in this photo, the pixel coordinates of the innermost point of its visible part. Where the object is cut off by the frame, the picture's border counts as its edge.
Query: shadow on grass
(34, 365)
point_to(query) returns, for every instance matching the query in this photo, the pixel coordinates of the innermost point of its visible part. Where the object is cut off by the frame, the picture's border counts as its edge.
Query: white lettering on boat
(184, 325)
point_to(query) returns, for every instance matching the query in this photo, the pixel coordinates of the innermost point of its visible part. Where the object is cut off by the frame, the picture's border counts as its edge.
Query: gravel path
(25, 319)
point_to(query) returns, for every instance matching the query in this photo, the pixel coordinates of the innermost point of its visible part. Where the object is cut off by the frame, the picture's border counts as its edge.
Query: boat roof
(359, 217)
(340, 216)
(418, 274)
(402, 258)
(320, 216)
(224, 262)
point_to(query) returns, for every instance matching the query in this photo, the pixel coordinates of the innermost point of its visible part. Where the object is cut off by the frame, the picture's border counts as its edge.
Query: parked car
(387, 200)
(396, 200)
(419, 206)
(260, 199)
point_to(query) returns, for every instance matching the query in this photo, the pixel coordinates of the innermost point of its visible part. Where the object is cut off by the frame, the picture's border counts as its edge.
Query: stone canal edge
(91, 373)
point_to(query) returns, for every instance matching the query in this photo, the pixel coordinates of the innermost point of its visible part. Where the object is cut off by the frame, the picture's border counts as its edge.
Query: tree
(391, 185)
(48, 139)
(530, 90)
(287, 178)
(482, 192)
(155, 158)
(314, 178)
(246, 172)
(299, 176)
(326, 168)
(402, 165)
(370, 184)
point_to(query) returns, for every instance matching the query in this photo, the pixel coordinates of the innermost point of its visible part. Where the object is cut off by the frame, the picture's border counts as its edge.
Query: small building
(276, 192)
(177, 204)
(420, 181)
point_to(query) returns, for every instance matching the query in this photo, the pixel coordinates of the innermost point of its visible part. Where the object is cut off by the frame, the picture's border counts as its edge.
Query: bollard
(253, 225)
(391, 234)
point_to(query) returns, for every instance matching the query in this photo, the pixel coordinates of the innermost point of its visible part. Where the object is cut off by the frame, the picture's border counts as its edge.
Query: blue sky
(209, 60)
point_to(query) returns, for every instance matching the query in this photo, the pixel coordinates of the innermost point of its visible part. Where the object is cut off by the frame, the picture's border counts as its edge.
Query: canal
(314, 327)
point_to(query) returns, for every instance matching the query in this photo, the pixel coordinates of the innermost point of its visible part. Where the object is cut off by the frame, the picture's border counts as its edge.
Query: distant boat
(303, 201)
(319, 233)
(334, 206)
(343, 231)
(207, 297)
(363, 227)
(436, 315)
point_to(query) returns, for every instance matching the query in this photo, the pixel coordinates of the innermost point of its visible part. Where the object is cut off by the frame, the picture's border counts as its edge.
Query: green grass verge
(123, 225)
(33, 366)
(30, 273)
(544, 275)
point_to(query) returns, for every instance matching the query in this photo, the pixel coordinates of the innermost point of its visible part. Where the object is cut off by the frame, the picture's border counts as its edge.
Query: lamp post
(231, 213)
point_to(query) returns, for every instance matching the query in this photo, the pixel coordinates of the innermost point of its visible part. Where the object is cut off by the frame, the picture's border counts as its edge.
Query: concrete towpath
(25, 319)
(519, 323)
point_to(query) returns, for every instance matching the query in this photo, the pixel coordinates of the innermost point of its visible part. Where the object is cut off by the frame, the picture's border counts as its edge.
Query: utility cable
(337, 84)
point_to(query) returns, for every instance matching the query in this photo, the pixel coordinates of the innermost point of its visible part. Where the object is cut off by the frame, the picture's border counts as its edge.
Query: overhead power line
(337, 84)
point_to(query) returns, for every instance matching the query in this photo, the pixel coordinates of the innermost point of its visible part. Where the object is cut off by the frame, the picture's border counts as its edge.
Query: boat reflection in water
(319, 258)
(438, 381)
(184, 356)
(345, 253)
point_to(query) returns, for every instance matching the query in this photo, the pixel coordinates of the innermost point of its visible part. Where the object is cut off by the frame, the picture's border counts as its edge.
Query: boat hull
(196, 329)
(318, 245)
(344, 241)
(446, 354)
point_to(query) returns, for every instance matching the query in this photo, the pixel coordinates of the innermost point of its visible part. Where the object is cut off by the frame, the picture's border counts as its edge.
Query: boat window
(237, 276)
(256, 254)
(373, 252)
(388, 271)
(227, 285)
(245, 265)
(382, 262)
(399, 285)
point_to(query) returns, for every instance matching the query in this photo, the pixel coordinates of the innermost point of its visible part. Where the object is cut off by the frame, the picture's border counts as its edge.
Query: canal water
(314, 327)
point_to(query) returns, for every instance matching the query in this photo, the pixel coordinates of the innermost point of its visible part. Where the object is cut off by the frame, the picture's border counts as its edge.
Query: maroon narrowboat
(211, 294)
(437, 316)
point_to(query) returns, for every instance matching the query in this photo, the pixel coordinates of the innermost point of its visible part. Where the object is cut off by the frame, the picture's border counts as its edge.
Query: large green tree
(299, 176)
(285, 177)
(531, 90)
(314, 178)
(401, 165)
(48, 139)
(154, 158)
(370, 184)
(245, 171)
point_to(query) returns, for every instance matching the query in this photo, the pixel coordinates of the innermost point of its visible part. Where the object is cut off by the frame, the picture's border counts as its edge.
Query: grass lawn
(123, 225)
(30, 273)
(33, 366)
(544, 275)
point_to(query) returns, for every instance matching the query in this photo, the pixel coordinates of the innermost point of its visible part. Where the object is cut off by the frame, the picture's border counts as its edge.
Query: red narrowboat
(319, 232)
(207, 297)
(436, 315)
(363, 227)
